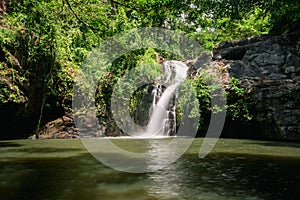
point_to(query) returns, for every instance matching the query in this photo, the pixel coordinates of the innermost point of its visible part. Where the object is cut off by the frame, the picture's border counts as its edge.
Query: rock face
(269, 68)
(61, 128)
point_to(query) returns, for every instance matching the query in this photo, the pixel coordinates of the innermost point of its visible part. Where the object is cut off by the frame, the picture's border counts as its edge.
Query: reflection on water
(163, 152)
(230, 176)
(168, 185)
(236, 169)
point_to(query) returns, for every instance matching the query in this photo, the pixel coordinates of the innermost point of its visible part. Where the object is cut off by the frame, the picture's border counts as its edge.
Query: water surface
(64, 170)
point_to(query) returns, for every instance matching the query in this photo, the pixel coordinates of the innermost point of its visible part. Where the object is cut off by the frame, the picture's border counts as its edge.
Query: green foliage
(203, 94)
(224, 29)
(239, 104)
(188, 103)
(10, 83)
(207, 87)
(133, 81)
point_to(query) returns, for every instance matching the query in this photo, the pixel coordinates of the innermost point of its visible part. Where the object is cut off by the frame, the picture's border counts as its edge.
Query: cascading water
(163, 117)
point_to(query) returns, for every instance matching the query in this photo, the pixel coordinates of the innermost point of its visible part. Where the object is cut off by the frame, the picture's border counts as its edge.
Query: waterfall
(163, 117)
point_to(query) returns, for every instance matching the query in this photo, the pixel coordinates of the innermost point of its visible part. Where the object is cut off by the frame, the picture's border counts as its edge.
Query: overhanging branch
(76, 16)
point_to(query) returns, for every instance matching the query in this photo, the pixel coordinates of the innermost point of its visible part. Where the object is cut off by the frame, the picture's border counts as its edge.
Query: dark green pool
(235, 169)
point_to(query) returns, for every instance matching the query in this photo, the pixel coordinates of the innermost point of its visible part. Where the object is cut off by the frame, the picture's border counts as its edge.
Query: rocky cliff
(269, 69)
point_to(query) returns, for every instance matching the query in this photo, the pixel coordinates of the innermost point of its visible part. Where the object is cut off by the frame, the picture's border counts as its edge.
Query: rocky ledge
(269, 68)
(61, 128)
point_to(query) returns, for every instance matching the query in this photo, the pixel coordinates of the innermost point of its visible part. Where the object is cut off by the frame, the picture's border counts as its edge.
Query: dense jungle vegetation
(44, 42)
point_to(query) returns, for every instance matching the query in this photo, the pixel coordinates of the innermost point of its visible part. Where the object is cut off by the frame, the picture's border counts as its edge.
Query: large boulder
(268, 67)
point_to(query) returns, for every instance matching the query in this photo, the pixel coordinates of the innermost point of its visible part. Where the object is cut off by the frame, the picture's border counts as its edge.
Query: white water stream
(160, 122)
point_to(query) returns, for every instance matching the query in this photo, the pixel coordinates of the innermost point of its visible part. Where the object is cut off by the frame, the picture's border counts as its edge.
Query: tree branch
(76, 16)
(121, 4)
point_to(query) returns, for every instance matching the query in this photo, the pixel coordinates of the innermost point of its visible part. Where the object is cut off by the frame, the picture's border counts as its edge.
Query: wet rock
(273, 65)
(61, 128)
